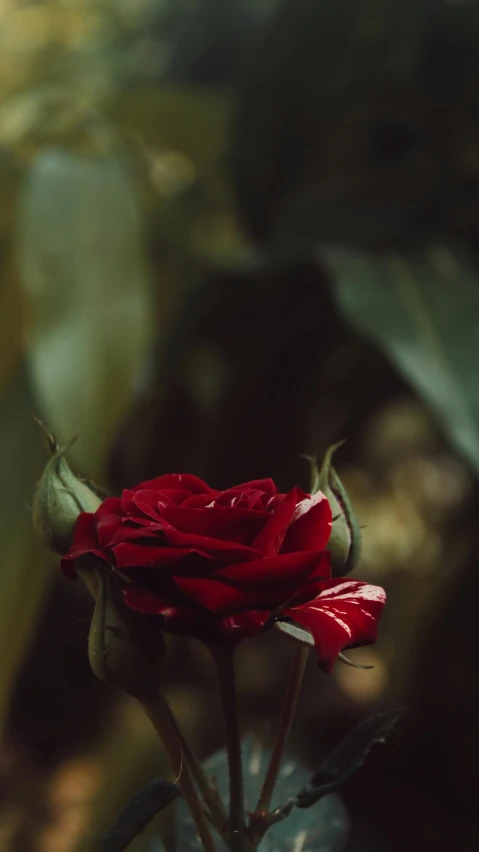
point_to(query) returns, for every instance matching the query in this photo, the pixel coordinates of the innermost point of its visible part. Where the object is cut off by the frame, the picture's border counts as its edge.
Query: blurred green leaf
(83, 268)
(323, 828)
(25, 570)
(422, 310)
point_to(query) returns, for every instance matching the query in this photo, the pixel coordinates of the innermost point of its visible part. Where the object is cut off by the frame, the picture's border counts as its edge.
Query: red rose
(220, 565)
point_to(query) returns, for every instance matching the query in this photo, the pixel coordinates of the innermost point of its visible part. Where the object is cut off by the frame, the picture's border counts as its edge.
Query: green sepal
(345, 541)
(124, 649)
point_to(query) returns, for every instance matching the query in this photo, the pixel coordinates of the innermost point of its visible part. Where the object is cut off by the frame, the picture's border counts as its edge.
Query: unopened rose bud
(123, 648)
(59, 499)
(345, 541)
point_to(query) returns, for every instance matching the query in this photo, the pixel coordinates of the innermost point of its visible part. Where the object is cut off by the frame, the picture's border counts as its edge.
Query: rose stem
(219, 816)
(176, 749)
(224, 659)
(289, 707)
(160, 716)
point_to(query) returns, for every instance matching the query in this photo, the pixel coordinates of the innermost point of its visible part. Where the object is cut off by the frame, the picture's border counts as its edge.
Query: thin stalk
(160, 716)
(206, 786)
(176, 749)
(224, 659)
(289, 707)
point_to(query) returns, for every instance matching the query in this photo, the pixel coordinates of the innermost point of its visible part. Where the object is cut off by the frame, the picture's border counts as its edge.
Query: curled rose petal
(343, 615)
(289, 568)
(107, 528)
(271, 536)
(110, 506)
(85, 541)
(310, 526)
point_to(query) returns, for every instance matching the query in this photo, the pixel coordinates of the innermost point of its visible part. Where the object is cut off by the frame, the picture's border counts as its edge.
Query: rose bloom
(223, 565)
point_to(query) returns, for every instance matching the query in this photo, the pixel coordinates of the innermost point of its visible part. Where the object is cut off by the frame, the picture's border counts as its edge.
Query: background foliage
(231, 233)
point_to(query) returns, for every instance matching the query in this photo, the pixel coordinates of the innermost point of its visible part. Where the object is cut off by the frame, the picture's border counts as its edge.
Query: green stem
(182, 759)
(224, 659)
(160, 716)
(289, 707)
(206, 786)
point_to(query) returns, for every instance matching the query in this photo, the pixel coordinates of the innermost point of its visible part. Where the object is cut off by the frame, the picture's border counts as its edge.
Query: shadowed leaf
(322, 829)
(347, 757)
(137, 813)
(422, 309)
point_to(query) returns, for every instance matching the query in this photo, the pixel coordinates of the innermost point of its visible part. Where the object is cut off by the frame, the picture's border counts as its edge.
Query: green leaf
(322, 829)
(137, 813)
(26, 574)
(347, 757)
(85, 274)
(422, 309)
(344, 542)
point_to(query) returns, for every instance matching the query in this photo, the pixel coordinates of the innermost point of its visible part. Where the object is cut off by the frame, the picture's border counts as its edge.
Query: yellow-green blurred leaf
(25, 566)
(84, 271)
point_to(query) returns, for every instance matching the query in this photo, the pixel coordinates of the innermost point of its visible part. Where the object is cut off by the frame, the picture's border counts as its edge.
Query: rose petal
(177, 497)
(199, 501)
(267, 486)
(313, 582)
(229, 552)
(222, 598)
(180, 619)
(277, 585)
(133, 504)
(106, 529)
(345, 614)
(182, 481)
(129, 555)
(271, 537)
(149, 503)
(237, 499)
(232, 525)
(110, 506)
(85, 540)
(148, 531)
(242, 625)
(310, 526)
(143, 600)
(291, 568)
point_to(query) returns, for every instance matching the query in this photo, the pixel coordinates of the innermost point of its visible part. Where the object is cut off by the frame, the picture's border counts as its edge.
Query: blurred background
(233, 232)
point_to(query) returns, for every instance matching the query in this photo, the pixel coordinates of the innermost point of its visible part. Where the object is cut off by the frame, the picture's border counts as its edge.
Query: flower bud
(345, 541)
(124, 649)
(59, 498)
